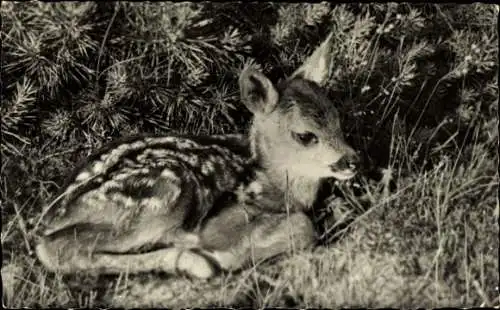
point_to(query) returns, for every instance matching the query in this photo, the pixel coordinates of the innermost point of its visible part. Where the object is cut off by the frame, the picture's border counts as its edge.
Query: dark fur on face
(312, 102)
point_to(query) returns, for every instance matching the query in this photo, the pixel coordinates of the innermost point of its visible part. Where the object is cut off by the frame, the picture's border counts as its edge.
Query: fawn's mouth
(344, 175)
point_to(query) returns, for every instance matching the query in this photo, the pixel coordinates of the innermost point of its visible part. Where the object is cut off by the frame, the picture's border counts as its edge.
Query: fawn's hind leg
(108, 239)
(246, 240)
(159, 231)
(88, 247)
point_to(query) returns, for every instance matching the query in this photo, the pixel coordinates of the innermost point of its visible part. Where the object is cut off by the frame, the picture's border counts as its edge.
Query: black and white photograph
(249, 155)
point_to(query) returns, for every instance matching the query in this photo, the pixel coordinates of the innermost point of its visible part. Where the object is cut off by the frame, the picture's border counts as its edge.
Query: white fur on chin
(344, 175)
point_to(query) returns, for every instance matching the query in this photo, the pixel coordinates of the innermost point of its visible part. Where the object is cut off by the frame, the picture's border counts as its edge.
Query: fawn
(200, 204)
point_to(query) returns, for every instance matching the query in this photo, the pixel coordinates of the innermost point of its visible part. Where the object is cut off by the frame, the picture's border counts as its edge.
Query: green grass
(432, 241)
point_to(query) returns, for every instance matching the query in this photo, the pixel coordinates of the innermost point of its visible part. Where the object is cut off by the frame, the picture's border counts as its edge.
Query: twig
(104, 41)
(58, 154)
(480, 291)
(22, 226)
(47, 209)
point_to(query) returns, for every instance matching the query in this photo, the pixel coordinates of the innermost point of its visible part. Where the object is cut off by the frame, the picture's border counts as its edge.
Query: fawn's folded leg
(262, 237)
(77, 251)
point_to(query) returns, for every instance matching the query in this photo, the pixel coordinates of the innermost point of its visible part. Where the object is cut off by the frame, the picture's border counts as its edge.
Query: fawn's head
(296, 128)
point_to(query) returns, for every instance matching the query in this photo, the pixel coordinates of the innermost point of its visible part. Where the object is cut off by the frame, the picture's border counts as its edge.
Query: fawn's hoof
(196, 266)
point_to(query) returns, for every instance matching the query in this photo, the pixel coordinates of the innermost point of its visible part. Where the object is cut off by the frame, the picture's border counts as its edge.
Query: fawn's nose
(348, 162)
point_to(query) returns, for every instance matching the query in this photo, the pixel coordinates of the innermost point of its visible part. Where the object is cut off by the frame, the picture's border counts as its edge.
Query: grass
(432, 241)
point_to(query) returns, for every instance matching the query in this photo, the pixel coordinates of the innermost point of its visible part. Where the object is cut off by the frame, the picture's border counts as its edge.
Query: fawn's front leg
(242, 236)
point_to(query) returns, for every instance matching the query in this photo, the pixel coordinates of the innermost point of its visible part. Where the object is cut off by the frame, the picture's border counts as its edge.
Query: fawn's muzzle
(347, 162)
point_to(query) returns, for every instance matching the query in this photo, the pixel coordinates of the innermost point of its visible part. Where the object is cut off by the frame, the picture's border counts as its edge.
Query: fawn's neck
(299, 190)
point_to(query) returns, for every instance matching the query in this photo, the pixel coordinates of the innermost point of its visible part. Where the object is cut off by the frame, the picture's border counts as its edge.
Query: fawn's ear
(257, 92)
(316, 68)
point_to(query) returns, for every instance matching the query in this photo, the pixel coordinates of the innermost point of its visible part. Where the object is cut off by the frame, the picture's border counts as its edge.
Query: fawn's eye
(307, 138)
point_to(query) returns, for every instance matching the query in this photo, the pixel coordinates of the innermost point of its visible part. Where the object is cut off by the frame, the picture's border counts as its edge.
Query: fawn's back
(141, 176)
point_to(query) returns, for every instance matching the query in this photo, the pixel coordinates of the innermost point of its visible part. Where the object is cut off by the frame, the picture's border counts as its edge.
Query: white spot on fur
(160, 140)
(115, 154)
(207, 168)
(255, 187)
(185, 144)
(121, 176)
(191, 159)
(95, 199)
(109, 184)
(83, 176)
(130, 202)
(206, 192)
(137, 145)
(98, 167)
(167, 173)
(155, 203)
(240, 193)
(248, 193)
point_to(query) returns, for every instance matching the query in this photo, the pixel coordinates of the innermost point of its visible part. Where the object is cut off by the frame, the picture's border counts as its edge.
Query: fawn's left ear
(316, 68)
(257, 92)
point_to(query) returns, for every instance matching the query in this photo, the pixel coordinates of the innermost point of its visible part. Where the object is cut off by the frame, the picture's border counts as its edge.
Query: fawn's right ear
(317, 66)
(257, 92)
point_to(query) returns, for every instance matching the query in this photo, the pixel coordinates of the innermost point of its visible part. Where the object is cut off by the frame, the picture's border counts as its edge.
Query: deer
(199, 205)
